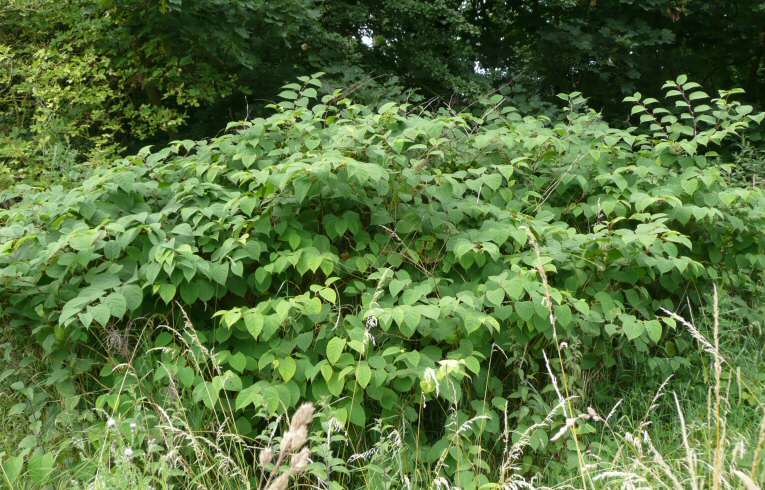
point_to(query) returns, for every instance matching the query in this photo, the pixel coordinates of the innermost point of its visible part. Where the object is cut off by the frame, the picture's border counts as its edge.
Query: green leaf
(252, 395)
(397, 285)
(358, 414)
(293, 238)
(219, 272)
(208, 393)
(411, 320)
(653, 328)
(238, 361)
(495, 296)
(472, 319)
(151, 271)
(229, 381)
(167, 292)
(304, 340)
(82, 239)
(40, 467)
(326, 371)
(335, 385)
(328, 294)
(253, 321)
(72, 307)
(237, 268)
(189, 292)
(186, 376)
(525, 310)
(520, 235)
(461, 247)
(563, 315)
(633, 328)
(363, 374)
(699, 94)
(429, 311)
(100, 313)
(335, 348)
(312, 306)
(133, 296)
(117, 305)
(288, 94)
(12, 467)
(287, 368)
(472, 364)
(689, 185)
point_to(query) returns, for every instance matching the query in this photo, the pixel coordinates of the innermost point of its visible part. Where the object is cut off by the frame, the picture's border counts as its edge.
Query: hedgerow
(395, 264)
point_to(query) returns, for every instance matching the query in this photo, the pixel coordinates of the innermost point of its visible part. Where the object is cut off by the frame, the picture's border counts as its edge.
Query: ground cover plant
(461, 296)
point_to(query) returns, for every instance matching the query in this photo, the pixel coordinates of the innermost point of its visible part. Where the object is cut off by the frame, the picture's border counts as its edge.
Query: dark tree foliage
(608, 49)
(88, 80)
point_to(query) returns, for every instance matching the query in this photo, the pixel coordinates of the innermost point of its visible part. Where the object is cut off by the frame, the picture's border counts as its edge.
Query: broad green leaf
(11, 467)
(133, 296)
(72, 307)
(312, 306)
(653, 328)
(525, 310)
(335, 347)
(633, 328)
(335, 385)
(186, 376)
(287, 368)
(40, 467)
(363, 374)
(328, 294)
(219, 272)
(411, 320)
(238, 361)
(100, 313)
(207, 393)
(82, 240)
(167, 292)
(253, 321)
(117, 304)
(495, 296)
(252, 395)
(397, 285)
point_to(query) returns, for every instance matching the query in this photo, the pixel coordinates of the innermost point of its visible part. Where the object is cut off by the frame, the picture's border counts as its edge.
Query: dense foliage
(395, 264)
(86, 81)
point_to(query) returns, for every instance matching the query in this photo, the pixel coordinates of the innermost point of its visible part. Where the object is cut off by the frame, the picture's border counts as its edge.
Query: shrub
(395, 264)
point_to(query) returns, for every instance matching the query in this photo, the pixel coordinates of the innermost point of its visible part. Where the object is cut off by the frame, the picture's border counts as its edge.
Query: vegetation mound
(461, 273)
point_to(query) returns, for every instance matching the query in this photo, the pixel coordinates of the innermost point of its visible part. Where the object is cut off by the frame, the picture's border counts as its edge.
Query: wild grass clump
(721, 447)
(705, 438)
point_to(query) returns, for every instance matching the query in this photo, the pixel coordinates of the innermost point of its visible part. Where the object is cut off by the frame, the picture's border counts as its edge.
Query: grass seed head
(265, 456)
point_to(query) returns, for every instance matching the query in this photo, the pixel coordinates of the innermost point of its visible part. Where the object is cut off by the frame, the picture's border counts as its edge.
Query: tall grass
(709, 455)
(167, 440)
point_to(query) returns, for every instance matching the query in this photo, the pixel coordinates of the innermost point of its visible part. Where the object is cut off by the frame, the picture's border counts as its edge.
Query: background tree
(86, 81)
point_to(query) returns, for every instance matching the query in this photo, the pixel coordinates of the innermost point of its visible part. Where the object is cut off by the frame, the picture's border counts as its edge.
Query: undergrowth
(462, 300)
(652, 437)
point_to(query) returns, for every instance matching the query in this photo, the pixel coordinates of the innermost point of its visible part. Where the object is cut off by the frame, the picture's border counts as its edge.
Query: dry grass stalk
(659, 460)
(292, 446)
(748, 483)
(719, 439)
(690, 456)
(758, 449)
(705, 344)
(549, 304)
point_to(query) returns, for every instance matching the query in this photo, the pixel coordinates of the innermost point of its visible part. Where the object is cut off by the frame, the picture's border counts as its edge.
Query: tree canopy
(83, 78)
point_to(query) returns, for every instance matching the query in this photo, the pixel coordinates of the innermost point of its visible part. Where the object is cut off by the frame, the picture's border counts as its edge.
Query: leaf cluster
(380, 260)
